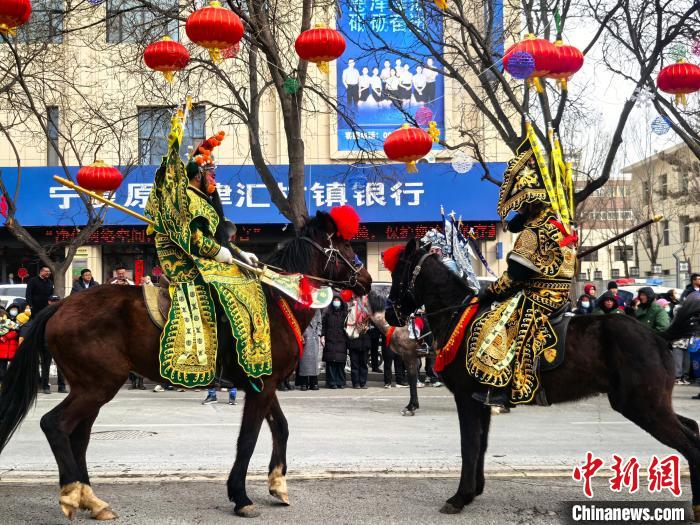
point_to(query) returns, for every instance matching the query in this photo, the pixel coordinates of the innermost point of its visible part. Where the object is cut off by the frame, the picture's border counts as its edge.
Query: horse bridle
(407, 287)
(334, 255)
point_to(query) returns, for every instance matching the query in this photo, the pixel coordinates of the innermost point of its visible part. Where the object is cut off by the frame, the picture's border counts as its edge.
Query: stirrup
(490, 399)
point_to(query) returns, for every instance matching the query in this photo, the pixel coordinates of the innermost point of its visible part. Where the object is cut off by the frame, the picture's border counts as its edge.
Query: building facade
(667, 184)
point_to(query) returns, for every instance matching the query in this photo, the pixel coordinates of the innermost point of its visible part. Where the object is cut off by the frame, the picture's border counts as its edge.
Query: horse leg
(412, 372)
(58, 424)
(484, 439)
(254, 411)
(655, 415)
(470, 421)
(692, 431)
(276, 479)
(80, 438)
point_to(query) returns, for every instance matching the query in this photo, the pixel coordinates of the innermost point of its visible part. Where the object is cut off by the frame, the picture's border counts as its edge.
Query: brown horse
(124, 339)
(610, 354)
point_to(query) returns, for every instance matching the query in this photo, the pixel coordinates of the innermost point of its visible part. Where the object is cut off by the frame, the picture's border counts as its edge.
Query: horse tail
(22, 378)
(686, 321)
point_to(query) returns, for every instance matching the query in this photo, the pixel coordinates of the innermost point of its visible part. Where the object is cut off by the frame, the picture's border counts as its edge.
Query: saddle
(560, 323)
(157, 299)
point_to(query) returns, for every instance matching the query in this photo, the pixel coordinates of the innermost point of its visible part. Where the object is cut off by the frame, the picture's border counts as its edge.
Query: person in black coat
(335, 343)
(39, 289)
(84, 282)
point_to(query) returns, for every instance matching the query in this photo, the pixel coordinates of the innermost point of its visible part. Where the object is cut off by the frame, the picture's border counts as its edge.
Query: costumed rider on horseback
(196, 256)
(507, 342)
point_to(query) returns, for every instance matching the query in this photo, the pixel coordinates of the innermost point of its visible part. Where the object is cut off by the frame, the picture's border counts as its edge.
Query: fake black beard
(517, 223)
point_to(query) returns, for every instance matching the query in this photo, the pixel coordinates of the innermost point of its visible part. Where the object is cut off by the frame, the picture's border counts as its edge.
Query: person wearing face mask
(197, 256)
(584, 305)
(334, 340)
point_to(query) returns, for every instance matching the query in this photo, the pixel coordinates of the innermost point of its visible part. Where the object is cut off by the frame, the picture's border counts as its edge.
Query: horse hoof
(282, 496)
(106, 515)
(448, 508)
(68, 510)
(69, 499)
(408, 412)
(249, 511)
(696, 513)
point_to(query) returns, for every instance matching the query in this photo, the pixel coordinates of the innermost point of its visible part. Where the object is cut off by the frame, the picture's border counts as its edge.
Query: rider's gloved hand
(224, 256)
(249, 257)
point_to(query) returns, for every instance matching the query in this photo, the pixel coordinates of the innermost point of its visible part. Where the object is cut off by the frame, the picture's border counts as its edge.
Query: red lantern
(167, 57)
(544, 53)
(13, 13)
(214, 28)
(408, 145)
(99, 177)
(679, 79)
(320, 45)
(570, 60)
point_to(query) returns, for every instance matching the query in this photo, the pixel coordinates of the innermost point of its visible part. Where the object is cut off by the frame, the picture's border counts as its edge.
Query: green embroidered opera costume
(202, 271)
(507, 342)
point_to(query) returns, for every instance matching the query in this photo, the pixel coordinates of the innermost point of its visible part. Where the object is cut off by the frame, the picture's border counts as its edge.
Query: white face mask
(585, 304)
(13, 312)
(336, 304)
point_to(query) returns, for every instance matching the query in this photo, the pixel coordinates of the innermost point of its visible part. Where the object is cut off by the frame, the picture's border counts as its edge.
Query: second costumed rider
(507, 342)
(196, 256)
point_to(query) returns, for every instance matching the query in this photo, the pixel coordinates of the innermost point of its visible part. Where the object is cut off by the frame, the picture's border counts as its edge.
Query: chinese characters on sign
(255, 195)
(662, 474)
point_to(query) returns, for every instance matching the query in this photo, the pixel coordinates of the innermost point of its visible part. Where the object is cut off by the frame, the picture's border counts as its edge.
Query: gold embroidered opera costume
(202, 271)
(507, 342)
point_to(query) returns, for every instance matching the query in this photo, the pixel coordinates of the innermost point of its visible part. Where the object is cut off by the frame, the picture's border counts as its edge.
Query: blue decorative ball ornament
(521, 65)
(356, 182)
(94, 2)
(660, 125)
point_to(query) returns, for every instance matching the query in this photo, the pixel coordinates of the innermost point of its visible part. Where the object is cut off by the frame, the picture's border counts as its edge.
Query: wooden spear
(625, 233)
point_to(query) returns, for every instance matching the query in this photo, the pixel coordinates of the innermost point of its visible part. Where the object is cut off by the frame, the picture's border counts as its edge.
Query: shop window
(154, 125)
(45, 23)
(131, 21)
(52, 123)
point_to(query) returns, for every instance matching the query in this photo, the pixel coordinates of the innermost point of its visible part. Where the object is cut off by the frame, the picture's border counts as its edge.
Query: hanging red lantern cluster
(557, 61)
(13, 14)
(408, 145)
(320, 45)
(570, 60)
(214, 28)
(99, 177)
(680, 79)
(166, 56)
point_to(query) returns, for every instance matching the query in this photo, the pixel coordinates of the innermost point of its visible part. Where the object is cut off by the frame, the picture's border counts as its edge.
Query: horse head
(322, 249)
(405, 264)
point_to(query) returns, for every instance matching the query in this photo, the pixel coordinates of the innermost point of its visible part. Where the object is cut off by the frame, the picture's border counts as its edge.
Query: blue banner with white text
(379, 193)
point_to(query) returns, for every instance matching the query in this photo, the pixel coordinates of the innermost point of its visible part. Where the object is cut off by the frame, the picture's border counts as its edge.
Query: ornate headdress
(523, 181)
(201, 159)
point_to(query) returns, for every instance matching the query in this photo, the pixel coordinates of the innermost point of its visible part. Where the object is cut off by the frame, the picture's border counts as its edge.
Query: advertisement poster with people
(386, 74)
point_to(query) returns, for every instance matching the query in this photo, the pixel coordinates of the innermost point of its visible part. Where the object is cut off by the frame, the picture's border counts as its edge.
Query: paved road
(147, 439)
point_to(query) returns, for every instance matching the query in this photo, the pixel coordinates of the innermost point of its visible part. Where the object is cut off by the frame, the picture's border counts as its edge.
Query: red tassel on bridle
(305, 289)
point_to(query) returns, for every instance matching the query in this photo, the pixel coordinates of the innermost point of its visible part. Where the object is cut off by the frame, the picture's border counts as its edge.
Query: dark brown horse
(124, 339)
(609, 354)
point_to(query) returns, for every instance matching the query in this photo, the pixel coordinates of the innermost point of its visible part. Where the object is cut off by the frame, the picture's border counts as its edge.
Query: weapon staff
(625, 233)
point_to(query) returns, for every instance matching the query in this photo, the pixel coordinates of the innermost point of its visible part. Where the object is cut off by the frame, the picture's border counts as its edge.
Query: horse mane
(296, 254)
(686, 321)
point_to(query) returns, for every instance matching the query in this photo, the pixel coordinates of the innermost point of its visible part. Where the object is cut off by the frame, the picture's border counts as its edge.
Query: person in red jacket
(8, 345)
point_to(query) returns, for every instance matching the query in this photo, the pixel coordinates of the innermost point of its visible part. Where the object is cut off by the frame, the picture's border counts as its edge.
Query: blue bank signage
(380, 194)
